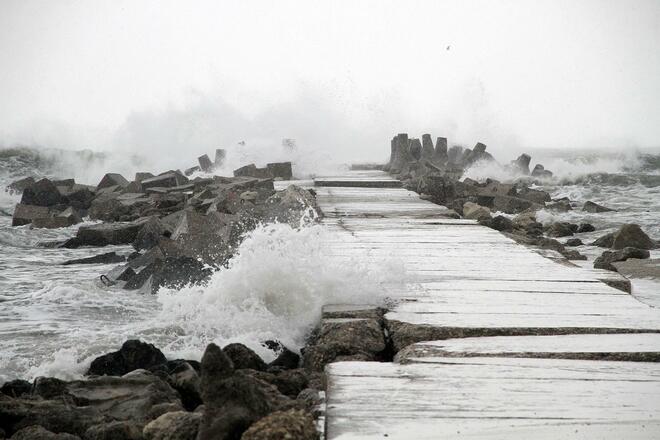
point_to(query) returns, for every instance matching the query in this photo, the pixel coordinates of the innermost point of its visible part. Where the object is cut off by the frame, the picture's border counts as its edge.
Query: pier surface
(494, 339)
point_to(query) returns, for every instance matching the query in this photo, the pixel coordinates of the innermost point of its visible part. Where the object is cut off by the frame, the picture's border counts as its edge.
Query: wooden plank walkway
(467, 280)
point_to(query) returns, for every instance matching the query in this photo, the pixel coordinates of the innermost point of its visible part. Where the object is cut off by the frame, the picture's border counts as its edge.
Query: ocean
(55, 319)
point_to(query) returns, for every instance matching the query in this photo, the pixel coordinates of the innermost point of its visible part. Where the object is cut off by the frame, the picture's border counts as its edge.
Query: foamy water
(55, 319)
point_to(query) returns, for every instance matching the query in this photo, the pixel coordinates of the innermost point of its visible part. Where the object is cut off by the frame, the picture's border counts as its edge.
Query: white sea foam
(274, 289)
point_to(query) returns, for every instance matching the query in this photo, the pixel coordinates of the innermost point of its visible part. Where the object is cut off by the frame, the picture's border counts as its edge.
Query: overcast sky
(334, 74)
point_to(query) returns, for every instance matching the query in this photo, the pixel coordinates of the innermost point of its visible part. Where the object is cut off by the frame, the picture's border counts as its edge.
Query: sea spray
(274, 288)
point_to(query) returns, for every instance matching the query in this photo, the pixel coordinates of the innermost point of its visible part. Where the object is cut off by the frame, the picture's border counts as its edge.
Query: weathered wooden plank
(493, 398)
(627, 346)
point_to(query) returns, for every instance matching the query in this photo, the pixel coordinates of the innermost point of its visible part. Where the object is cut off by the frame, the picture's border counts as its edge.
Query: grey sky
(107, 74)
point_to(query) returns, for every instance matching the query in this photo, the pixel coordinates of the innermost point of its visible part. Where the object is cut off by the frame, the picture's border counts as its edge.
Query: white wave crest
(274, 288)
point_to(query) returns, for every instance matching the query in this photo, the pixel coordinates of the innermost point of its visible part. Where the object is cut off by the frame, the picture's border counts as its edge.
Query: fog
(172, 80)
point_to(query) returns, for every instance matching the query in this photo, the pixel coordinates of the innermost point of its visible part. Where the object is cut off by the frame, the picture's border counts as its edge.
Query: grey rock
(283, 425)
(605, 241)
(18, 186)
(608, 257)
(631, 235)
(574, 242)
(595, 207)
(415, 148)
(205, 163)
(107, 258)
(104, 234)
(191, 170)
(36, 432)
(540, 172)
(112, 179)
(119, 430)
(166, 180)
(586, 227)
(475, 212)
(25, 214)
(42, 193)
(16, 388)
(280, 170)
(132, 355)
(561, 229)
(521, 164)
(177, 425)
(243, 357)
(140, 176)
(428, 152)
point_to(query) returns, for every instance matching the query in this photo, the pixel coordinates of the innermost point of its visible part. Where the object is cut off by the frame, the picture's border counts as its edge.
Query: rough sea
(55, 319)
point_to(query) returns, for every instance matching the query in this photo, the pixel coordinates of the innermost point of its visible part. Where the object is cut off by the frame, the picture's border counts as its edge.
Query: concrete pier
(494, 340)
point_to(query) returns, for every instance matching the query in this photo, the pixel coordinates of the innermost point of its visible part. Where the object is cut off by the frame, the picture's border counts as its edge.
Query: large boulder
(475, 212)
(631, 235)
(53, 415)
(283, 425)
(561, 229)
(117, 430)
(25, 214)
(593, 207)
(18, 186)
(104, 234)
(533, 195)
(16, 388)
(36, 432)
(176, 425)
(112, 179)
(608, 257)
(150, 234)
(132, 355)
(295, 206)
(243, 357)
(165, 180)
(42, 193)
(232, 402)
(604, 241)
(280, 170)
(343, 339)
(79, 196)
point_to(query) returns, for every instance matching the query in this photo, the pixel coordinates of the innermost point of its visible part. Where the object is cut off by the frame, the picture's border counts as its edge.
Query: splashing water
(274, 289)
